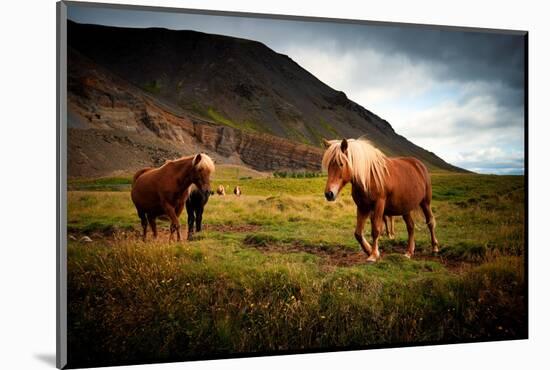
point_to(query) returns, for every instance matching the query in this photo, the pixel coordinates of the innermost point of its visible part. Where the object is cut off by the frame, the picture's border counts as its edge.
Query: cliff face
(183, 92)
(261, 152)
(117, 128)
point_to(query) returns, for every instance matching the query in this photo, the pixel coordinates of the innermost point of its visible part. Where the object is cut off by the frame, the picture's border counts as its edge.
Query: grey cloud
(497, 59)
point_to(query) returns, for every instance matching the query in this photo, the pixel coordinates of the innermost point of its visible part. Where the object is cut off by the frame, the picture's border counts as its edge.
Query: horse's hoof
(407, 255)
(372, 259)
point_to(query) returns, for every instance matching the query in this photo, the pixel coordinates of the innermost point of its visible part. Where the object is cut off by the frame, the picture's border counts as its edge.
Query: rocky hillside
(140, 96)
(115, 127)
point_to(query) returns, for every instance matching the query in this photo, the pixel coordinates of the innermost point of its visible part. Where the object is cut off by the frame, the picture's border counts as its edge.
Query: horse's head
(337, 164)
(207, 195)
(203, 167)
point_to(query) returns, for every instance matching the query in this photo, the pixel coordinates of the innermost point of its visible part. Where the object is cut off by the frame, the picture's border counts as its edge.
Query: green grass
(291, 131)
(102, 183)
(278, 269)
(330, 129)
(244, 125)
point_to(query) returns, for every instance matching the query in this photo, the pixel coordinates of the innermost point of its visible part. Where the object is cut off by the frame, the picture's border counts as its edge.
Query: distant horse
(195, 206)
(379, 186)
(390, 226)
(162, 191)
(237, 191)
(220, 190)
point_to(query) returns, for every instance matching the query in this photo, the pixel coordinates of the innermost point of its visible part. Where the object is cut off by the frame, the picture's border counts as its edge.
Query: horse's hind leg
(410, 230)
(174, 222)
(390, 226)
(430, 221)
(153, 224)
(386, 225)
(143, 218)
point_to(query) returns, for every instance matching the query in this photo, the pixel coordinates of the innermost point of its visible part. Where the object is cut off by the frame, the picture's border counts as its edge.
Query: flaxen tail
(139, 173)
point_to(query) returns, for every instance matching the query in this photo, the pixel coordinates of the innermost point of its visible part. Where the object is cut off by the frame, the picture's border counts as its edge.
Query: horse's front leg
(190, 222)
(361, 220)
(199, 219)
(377, 220)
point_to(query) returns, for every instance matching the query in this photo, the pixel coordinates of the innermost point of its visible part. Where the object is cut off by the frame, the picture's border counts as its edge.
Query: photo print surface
(244, 185)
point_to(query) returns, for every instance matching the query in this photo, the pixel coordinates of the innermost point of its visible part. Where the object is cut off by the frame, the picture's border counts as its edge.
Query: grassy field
(278, 270)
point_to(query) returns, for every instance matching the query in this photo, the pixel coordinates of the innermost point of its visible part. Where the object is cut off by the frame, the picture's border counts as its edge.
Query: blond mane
(366, 163)
(205, 163)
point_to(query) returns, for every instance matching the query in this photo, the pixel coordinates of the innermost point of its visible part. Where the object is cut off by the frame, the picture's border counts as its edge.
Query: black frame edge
(61, 235)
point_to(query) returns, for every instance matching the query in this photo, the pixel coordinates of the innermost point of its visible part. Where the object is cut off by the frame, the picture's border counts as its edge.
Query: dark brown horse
(162, 191)
(195, 203)
(380, 186)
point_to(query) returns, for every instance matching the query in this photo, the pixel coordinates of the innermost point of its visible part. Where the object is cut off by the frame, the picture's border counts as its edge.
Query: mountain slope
(116, 128)
(233, 83)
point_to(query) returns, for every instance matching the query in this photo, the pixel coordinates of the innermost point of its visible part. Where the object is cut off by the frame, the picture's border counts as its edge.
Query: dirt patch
(342, 256)
(232, 228)
(336, 255)
(113, 232)
(450, 264)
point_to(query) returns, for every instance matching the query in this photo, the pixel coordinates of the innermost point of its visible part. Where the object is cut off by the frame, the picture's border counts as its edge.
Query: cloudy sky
(458, 94)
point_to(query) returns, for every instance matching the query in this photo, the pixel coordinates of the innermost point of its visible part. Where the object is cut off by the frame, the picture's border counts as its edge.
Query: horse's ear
(197, 159)
(344, 145)
(326, 143)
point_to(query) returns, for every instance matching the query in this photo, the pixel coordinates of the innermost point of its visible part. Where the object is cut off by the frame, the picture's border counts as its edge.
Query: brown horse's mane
(366, 163)
(205, 163)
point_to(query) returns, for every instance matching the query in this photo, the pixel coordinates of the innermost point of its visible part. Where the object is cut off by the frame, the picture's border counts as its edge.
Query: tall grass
(133, 302)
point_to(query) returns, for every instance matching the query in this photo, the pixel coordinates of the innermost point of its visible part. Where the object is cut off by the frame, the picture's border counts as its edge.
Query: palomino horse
(163, 191)
(220, 190)
(379, 186)
(237, 191)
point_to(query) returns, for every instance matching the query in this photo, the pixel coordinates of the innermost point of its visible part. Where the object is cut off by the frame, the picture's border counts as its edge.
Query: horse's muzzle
(330, 196)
